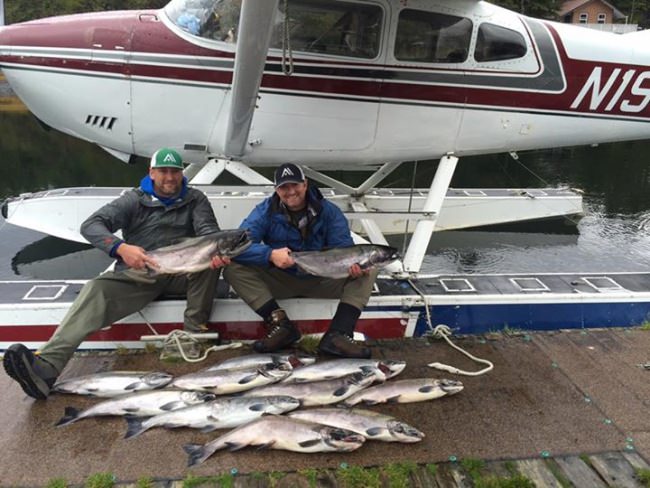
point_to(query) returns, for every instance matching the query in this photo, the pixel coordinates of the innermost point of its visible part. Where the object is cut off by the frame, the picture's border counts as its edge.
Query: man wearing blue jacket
(298, 218)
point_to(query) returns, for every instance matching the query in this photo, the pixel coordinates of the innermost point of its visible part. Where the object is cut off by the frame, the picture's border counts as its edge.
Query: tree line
(637, 11)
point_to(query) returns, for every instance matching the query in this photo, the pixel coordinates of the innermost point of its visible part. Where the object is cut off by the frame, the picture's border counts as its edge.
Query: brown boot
(281, 333)
(339, 344)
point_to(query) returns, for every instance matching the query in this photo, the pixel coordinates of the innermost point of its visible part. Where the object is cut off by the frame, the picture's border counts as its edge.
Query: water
(614, 235)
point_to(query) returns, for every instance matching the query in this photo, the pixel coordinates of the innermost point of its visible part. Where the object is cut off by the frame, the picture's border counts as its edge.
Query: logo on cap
(287, 172)
(166, 158)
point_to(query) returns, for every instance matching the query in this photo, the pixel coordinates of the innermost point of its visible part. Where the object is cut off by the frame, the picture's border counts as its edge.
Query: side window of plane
(431, 37)
(215, 20)
(496, 43)
(326, 27)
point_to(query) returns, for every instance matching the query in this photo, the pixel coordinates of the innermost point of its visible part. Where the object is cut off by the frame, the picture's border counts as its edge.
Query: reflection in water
(53, 258)
(613, 236)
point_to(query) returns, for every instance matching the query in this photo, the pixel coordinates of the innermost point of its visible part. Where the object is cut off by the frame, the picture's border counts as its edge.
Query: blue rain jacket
(270, 228)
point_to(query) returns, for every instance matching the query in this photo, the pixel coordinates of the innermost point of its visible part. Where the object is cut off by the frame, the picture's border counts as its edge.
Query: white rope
(175, 337)
(444, 332)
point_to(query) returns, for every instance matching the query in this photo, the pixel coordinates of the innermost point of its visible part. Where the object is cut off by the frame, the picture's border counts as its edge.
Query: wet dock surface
(558, 398)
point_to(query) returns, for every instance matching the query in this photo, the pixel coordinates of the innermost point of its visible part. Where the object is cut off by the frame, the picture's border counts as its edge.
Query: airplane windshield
(212, 19)
(319, 26)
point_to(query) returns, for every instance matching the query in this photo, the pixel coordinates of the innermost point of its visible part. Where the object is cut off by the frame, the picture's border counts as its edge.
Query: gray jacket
(147, 222)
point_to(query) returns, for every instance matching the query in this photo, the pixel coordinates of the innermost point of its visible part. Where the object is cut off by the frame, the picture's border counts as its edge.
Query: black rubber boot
(35, 375)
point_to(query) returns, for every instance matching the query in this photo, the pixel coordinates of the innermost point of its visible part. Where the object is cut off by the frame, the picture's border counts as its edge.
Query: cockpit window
(337, 28)
(431, 37)
(211, 19)
(496, 43)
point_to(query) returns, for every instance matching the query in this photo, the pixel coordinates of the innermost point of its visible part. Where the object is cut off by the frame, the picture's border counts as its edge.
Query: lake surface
(614, 235)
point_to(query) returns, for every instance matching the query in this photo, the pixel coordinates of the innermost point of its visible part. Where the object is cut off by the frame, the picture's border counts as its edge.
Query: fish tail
(134, 427)
(70, 415)
(195, 454)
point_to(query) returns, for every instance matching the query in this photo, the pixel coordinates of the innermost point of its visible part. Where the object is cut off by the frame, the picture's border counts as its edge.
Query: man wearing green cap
(162, 210)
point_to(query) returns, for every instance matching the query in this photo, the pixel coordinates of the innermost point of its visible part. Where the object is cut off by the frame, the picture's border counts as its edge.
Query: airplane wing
(254, 36)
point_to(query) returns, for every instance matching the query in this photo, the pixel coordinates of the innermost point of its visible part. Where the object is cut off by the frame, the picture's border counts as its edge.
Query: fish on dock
(113, 383)
(319, 393)
(195, 254)
(371, 425)
(336, 262)
(278, 432)
(250, 360)
(139, 404)
(337, 368)
(227, 381)
(221, 413)
(405, 391)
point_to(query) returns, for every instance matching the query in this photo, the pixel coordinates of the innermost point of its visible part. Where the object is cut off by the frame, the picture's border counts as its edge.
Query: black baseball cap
(288, 173)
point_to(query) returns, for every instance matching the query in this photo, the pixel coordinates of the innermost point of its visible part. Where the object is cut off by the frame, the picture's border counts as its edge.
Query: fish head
(285, 403)
(364, 377)
(392, 367)
(383, 255)
(232, 242)
(451, 386)
(403, 432)
(276, 371)
(341, 439)
(157, 379)
(192, 397)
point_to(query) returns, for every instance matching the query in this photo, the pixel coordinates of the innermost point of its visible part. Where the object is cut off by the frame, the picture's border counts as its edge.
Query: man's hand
(134, 256)
(281, 258)
(356, 271)
(219, 262)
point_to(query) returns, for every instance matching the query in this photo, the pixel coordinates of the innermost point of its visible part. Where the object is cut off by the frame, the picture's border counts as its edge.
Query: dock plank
(615, 469)
(537, 471)
(579, 473)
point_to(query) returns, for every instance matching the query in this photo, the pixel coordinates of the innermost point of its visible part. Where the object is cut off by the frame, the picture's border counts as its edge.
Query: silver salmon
(250, 360)
(319, 393)
(406, 391)
(113, 383)
(337, 368)
(226, 381)
(371, 425)
(335, 263)
(194, 254)
(278, 432)
(140, 404)
(222, 413)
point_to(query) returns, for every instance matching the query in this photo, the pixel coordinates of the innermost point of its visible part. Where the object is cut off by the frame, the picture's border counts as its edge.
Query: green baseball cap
(166, 158)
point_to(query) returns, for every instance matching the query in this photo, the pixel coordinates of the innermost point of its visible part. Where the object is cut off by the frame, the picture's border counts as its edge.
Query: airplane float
(333, 85)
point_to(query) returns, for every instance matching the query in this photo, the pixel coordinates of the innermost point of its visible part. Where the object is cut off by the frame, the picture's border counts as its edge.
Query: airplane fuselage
(427, 78)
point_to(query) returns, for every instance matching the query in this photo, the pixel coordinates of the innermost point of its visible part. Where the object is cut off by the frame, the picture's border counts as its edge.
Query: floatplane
(334, 85)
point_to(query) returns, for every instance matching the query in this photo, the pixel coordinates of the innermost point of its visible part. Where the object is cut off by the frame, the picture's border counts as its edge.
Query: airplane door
(324, 99)
(108, 117)
(423, 95)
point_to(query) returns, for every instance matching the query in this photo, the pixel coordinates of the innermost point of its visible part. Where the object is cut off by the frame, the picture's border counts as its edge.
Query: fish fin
(341, 390)
(132, 386)
(234, 446)
(310, 442)
(369, 402)
(426, 389)
(393, 399)
(172, 405)
(132, 410)
(265, 445)
(133, 427)
(248, 379)
(195, 454)
(373, 431)
(70, 415)
(208, 428)
(256, 407)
